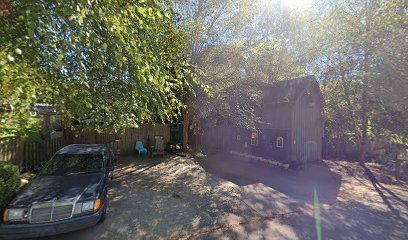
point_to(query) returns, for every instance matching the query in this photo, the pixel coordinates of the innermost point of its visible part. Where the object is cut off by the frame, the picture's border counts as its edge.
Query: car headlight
(88, 206)
(15, 214)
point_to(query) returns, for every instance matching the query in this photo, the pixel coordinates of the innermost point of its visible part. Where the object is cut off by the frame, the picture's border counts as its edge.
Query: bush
(9, 183)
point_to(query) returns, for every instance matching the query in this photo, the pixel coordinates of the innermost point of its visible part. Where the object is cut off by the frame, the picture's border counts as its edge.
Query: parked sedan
(69, 193)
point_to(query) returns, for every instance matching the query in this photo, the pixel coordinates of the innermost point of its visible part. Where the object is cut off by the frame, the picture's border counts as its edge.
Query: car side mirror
(110, 168)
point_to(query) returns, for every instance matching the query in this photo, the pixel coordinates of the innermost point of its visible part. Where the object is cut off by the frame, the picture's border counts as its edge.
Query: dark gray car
(69, 193)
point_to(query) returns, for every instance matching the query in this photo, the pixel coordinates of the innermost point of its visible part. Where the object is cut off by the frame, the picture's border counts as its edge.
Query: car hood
(47, 188)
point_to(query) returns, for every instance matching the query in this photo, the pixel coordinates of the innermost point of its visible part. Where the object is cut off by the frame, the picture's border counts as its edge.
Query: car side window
(105, 158)
(110, 158)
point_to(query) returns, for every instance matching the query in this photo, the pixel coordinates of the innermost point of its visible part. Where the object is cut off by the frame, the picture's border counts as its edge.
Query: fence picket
(29, 155)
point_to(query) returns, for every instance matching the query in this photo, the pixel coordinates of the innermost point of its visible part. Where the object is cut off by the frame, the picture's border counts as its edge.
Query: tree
(391, 86)
(239, 45)
(206, 23)
(352, 37)
(22, 80)
(109, 64)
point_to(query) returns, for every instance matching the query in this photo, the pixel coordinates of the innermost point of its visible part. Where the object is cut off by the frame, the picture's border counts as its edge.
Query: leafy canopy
(105, 63)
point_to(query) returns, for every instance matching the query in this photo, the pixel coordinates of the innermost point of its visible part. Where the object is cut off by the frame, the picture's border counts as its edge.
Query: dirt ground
(222, 197)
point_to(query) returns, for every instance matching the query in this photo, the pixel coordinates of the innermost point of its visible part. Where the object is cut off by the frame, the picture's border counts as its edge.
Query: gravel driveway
(164, 198)
(226, 198)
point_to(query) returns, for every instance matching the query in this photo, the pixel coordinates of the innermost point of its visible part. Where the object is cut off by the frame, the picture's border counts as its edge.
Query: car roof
(83, 149)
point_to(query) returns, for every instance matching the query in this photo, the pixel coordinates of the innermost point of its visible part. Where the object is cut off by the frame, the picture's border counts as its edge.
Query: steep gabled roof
(288, 91)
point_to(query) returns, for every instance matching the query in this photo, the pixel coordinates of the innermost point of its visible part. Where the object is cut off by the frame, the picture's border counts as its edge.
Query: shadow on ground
(351, 207)
(176, 198)
(354, 221)
(162, 198)
(298, 185)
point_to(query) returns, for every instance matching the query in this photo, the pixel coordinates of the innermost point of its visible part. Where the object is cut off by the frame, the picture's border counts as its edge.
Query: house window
(254, 138)
(279, 142)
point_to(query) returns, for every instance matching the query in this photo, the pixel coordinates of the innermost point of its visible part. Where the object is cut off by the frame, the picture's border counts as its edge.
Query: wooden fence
(29, 155)
(126, 141)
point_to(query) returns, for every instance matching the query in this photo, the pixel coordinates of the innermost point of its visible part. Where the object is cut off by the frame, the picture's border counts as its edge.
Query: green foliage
(399, 140)
(359, 53)
(9, 183)
(240, 45)
(209, 27)
(116, 64)
(105, 65)
(21, 79)
(233, 96)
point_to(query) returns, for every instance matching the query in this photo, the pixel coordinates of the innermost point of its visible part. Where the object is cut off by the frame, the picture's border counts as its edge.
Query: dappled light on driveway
(221, 197)
(163, 198)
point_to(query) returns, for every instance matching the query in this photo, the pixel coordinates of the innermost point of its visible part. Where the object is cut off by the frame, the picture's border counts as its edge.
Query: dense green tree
(239, 45)
(121, 63)
(22, 80)
(206, 24)
(108, 63)
(351, 51)
(391, 79)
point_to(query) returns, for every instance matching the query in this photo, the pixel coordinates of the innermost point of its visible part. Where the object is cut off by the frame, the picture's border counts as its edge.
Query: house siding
(276, 118)
(219, 139)
(293, 118)
(267, 145)
(307, 129)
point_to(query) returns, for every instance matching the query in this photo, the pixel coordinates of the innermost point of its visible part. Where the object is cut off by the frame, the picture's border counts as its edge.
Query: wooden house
(292, 121)
(291, 127)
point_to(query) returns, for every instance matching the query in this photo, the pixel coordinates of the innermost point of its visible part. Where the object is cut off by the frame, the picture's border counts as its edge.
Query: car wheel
(105, 206)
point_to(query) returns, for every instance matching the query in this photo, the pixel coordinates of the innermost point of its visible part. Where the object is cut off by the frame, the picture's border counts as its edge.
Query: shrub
(9, 183)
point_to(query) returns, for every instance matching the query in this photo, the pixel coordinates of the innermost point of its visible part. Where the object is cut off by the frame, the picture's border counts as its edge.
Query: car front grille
(61, 212)
(39, 215)
(51, 211)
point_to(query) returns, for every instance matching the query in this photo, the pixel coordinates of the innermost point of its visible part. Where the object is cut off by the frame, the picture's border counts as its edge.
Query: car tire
(105, 206)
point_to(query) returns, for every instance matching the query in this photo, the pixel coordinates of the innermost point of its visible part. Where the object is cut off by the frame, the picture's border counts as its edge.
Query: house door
(311, 151)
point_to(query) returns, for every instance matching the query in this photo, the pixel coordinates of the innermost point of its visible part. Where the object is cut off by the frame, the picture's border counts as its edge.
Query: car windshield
(65, 164)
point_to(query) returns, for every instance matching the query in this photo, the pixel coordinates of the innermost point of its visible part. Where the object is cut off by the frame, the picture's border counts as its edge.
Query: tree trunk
(364, 121)
(186, 123)
(363, 149)
(364, 114)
